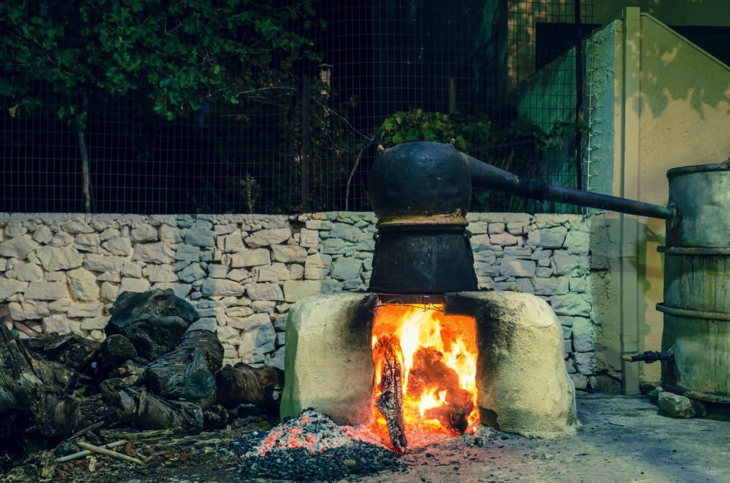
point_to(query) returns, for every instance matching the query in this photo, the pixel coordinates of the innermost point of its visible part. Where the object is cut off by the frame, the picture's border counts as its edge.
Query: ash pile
(312, 447)
(154, 371)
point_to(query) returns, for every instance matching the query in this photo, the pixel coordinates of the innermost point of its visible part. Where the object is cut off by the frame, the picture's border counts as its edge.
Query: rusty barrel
(696, 303)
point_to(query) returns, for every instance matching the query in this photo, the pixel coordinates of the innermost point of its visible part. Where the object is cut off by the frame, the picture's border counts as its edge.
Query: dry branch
(390, 400)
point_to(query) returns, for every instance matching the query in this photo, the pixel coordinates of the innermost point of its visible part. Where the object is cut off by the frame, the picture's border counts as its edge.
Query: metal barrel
(697, 284)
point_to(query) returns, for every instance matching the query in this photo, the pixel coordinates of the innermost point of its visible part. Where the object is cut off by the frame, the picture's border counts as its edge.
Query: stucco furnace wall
(61, 273)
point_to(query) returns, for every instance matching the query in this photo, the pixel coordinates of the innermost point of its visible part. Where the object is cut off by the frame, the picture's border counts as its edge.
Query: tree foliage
(176, 54)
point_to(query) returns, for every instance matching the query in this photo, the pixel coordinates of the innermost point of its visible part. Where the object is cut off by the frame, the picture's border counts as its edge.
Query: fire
(435, 358)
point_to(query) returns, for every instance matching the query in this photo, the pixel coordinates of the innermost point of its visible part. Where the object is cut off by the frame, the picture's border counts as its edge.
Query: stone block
(308, 238)
(251, 258)
(214, 287)
(28, 272)
(523, 385)
(570, 304)
(154, 253)
(296, 289)
(276, 272)
(552, 237)
(584, 335)
(288, 254)
(564, 263)
(133, 285)
(18, 247)
(329, 360)
(192, 273)
(346, 232)
(53, 258)
(200, 235)
(264, 291)
(676, 406)
(121, 246)
(550, 286)
(46, 290)
(503, 239)
(346, 268)
(517, 268)
(268, 237)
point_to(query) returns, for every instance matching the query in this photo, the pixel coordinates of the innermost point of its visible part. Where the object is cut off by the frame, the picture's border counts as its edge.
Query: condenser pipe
(488, 177)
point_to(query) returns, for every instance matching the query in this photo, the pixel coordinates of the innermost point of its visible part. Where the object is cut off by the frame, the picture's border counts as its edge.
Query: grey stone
(333, 246)
(517, 268)
(76, 227)
(578, 285)
(225, 229)
(59, 324)
(213, 287)
(585, 361)
(160, 273)
(278, 359)
(251, 258)
(84, 310)
(233, 242)
(264, 238)
(207, 323)
(43, 235)
(295, 289)
(61, 239)
(308, 238)
(95, 323)
(35, 310)
(121, 246)
(317, 266)
(276, 272)
(318, 224)
(103, 263)
(61, 305)
(570, 304)
(109, 277)
(187, 253)
(249, 322)
(565, 264)
(496, 228)
(288, 254)
(87, 242)
(227, 334)
(82, 284)
(27, 272)
(676, 406)
(131, 269)
(485, 257)
(239, 312)
(345, 231)
(154, 253)
(264, 291)
(238, 275)
(580, 381)
(552, 237)
(109, 233)
(18, 247)
(53, 258)
(543, 272)
(259, 340)
(550, 286)
(323, 332)
(296, 271)
(217, 271)
(480, 242)
(346, 268)
(169, 234)
(200, 235)
(504, 239)
(133, 285)
(46, 291)
(584, 335)
(144, 233)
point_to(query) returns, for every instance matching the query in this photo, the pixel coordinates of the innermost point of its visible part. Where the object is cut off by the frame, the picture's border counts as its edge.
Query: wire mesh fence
(501, 79)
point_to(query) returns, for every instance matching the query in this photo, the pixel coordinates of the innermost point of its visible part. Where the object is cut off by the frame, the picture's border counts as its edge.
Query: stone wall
(62, 272)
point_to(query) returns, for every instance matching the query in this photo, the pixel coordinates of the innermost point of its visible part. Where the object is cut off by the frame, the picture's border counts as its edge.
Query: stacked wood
(390, 400)
(149, 373)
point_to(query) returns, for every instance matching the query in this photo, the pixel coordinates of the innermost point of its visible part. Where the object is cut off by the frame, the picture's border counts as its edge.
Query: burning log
(390, 400)
(430, 372)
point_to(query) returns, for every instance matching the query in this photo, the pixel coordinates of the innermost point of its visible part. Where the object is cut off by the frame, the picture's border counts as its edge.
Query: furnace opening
(425, 373)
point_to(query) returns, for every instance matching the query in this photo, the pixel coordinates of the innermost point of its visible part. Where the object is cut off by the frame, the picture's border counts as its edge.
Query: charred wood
(243, 384)
(390, 400)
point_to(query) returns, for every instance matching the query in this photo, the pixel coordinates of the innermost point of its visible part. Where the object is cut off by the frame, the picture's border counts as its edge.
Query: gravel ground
(621, 439)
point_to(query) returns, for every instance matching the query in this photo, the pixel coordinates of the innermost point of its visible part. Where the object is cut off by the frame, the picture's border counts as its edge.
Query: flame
(438, 357)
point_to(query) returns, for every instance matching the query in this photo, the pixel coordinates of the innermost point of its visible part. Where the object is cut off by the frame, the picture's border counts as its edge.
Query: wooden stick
(113, 454)
(390, 400)
(81, 454)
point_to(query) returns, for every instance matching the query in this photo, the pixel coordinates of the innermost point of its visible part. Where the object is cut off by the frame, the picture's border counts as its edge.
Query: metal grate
(384, 72)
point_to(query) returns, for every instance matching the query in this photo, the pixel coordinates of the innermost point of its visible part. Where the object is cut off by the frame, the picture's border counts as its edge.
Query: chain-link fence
(303, 132)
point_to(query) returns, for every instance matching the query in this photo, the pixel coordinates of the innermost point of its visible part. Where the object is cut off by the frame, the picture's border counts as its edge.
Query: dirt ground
(622, 439)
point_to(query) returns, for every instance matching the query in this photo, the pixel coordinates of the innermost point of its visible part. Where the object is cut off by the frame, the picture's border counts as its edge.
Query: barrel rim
(698, 168)
(694, 251)
(693, 314)
(692, 394)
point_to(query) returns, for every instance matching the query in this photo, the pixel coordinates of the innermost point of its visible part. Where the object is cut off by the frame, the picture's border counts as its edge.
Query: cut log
(243, 384)
(153, 321)
(36, 387)
(71, 350)
(188, 371)
(390, 400)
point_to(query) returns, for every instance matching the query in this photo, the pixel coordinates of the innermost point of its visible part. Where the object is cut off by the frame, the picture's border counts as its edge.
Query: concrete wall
(684, 113)
(61, 273)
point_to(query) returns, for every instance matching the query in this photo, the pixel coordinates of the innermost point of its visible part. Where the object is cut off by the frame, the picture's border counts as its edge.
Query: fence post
(305, 144)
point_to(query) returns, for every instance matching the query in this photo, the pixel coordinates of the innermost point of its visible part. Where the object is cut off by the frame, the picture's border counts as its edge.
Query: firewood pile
(150, 373)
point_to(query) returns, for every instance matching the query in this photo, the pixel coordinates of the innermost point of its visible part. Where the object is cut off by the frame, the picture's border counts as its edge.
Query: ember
(312, 446)
(425, 377)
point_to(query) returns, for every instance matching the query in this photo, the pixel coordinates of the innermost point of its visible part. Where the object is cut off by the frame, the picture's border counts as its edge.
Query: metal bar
(488, 177)
(305, 144)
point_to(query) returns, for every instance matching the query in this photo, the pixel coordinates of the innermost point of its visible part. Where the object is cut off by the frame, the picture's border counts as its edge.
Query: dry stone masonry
(60, 273)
